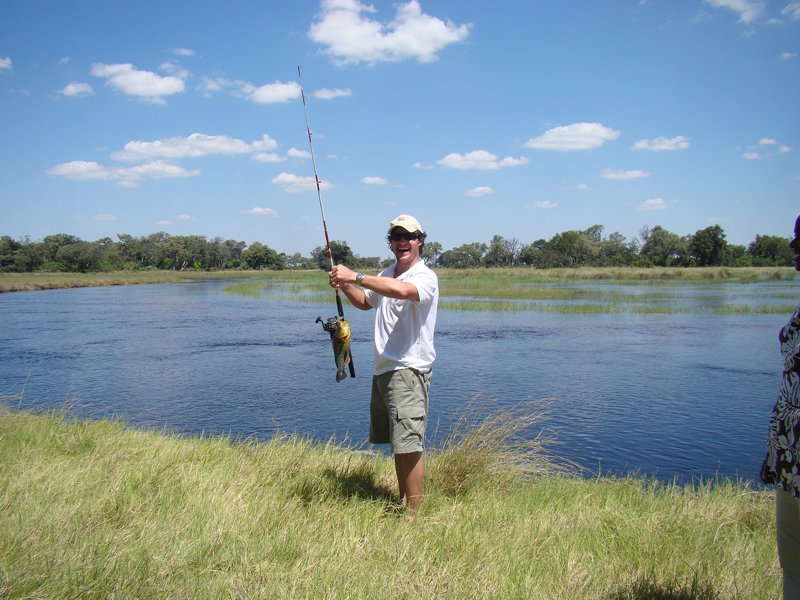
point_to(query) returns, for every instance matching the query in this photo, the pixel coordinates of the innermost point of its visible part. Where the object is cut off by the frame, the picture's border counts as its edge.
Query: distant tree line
(656, 247)
(67, 253)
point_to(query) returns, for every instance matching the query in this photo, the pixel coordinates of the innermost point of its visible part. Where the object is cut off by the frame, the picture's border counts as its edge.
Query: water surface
(677, 395)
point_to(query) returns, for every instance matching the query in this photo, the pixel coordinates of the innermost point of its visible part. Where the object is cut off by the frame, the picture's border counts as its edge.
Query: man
(405, 297)
(781, 466)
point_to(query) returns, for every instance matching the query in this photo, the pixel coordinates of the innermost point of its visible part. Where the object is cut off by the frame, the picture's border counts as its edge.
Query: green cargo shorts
(399, 410)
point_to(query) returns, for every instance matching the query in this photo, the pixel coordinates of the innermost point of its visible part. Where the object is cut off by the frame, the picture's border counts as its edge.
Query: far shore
(21, 282)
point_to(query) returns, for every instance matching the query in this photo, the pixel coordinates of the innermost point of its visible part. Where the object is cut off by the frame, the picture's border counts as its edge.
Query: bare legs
(410, 468)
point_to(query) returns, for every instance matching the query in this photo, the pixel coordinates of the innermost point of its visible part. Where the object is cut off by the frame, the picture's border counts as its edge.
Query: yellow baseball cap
(407, 222)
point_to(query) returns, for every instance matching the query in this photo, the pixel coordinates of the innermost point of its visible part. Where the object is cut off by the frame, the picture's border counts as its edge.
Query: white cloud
(788, 55)
(271, 93)
(618, 174)
(374, 181)
(477, 192)
(544, 204)
(765, 148)
(262, 212)
(326, 94)
(129, 177)
(350, 36)
(268, 157)
(295, 153)
(143, 84)
(194, 145)
(792, 10)
(211, 85)
(183, 52)
(662, 144)
(294, 184)
(583, 187)
(422, 166)
(654, 204)
(748, 10)
(479, 159)
(185, 217)
(578, 136)
(105, 218)
(75, 89)
(163, 223)
(6, 63)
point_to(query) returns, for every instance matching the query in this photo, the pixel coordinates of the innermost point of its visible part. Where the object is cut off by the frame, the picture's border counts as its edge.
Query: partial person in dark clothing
(781, 467)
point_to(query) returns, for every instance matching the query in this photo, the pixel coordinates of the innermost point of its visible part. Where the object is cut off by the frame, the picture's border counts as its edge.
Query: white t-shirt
(404, 328)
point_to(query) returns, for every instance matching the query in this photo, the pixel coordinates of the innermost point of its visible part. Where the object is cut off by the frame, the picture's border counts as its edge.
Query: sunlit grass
(250, 289)
(98, 510)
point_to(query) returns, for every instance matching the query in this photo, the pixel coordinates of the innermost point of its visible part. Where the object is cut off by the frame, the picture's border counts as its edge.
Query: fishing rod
(330, 326)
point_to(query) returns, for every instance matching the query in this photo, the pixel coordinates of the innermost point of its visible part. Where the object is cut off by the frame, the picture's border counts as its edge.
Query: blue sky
(519, 118)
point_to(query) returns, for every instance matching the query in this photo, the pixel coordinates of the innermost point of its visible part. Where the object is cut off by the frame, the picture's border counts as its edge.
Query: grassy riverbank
(455, 282)
(93, 509)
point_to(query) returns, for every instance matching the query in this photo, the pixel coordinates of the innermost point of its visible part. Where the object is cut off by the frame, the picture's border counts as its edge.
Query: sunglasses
(396, 237)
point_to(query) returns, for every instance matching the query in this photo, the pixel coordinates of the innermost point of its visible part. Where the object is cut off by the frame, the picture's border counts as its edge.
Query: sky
(518, 118)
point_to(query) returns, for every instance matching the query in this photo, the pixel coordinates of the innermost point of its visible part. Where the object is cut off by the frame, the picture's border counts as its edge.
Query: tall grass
(98, 510)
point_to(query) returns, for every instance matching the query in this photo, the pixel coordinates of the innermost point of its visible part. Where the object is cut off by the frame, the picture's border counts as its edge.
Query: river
(674, 396)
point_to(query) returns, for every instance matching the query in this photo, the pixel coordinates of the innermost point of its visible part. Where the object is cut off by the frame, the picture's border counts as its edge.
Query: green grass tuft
(98, 510)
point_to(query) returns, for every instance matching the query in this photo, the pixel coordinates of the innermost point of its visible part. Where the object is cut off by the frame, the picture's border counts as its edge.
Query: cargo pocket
(409, 430)
(410, 412)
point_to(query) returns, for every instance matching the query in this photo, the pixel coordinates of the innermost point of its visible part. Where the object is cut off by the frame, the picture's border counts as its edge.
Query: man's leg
(788, 526)
(410, 468)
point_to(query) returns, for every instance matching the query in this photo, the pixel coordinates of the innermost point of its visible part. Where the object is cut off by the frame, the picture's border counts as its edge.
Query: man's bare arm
(345, 279)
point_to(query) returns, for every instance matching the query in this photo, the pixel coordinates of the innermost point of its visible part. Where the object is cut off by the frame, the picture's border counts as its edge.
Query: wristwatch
(360, 278)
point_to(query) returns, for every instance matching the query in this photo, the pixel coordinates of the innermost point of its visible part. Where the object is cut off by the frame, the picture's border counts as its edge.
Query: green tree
(594, 233)
(51, 245)
(341, 252)
(431, 252)
(572, 249)
(738, 256)
(197, 249)
(153, 250)
(497, 254)
(261, 256)
(707, 247)
(174, 253)
(108, 256)
(29, 257)
(8, 248)
(661, 247)
(81, 257)
(298, 261)
(770, 250)
(235, 253)
(616, 251)
(464, 256)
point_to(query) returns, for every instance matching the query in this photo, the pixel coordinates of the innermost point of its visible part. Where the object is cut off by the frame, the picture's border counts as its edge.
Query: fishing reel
(331, 325)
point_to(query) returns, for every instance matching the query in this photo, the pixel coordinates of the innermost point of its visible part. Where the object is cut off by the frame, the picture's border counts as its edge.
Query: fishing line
(322, 209)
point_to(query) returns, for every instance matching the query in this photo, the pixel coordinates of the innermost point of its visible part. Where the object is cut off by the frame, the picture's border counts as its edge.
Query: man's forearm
(356, 296)
(390, 287)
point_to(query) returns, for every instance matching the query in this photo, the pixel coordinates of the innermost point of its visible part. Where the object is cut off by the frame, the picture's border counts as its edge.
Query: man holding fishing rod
(405, 297)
